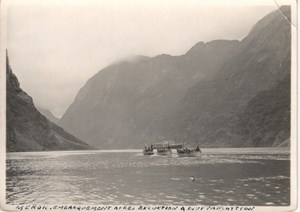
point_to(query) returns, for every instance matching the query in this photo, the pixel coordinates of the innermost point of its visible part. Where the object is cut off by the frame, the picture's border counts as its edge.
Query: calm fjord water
(222, 177)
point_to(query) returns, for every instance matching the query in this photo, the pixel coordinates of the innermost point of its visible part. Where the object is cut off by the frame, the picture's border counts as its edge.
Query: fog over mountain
(61, 44)
(124, 99)
(214, 95)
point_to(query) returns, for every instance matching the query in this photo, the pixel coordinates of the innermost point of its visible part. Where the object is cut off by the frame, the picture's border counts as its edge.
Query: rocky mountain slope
(118, 104)
(266, 120)
(26, 128)
(213, 113)
(207, 96)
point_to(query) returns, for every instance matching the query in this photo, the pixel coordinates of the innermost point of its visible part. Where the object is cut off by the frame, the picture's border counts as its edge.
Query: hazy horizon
(54, 50)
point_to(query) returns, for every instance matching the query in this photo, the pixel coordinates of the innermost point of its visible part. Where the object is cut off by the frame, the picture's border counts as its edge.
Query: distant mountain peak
(48, 114)
(201, 46)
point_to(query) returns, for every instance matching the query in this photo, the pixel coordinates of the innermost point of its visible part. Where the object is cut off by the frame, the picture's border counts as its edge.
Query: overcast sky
(54, 49)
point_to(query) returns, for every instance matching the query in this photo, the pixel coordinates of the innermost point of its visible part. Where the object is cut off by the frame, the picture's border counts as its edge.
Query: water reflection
(130, 178)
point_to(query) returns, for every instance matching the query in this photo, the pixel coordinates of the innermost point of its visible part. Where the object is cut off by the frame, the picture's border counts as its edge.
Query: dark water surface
(222, 177)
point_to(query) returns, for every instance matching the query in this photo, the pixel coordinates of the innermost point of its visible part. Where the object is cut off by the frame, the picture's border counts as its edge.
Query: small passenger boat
(189, 152)
(148, 150)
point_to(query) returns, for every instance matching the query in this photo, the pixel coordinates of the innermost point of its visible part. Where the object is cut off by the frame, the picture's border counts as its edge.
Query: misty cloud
(55, 49)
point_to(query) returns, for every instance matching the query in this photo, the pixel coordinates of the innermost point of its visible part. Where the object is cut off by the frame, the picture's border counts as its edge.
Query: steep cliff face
(117, 105)
(200, 97)
(211, 112)
(266, 120)
(26, 128)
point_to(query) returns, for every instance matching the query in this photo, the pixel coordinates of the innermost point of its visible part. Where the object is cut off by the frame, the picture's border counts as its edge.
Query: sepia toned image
(143, 105)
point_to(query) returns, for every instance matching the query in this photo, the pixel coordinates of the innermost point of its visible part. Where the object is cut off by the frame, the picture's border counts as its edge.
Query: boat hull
(164, 153)
(148, 152)
(189, 154)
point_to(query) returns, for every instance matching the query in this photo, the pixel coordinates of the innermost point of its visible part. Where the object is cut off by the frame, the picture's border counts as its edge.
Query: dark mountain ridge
(26, 128)
(266, 120)
(117, 104)
(203, 97)
(209, 113)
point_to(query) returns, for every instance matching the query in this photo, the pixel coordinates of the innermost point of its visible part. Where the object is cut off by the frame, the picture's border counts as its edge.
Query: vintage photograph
(149, 104)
